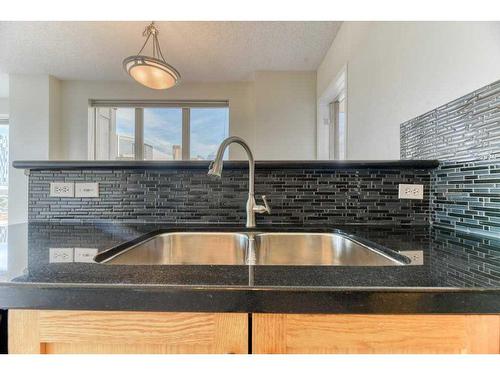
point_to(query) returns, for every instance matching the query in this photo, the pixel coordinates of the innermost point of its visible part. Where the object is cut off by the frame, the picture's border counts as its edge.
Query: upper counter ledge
(282, 164)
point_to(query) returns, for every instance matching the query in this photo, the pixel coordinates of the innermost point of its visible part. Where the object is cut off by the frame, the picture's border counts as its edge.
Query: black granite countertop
(460, 274)
(204, 164)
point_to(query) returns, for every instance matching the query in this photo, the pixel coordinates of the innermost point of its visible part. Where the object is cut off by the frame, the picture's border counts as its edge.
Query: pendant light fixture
(151, 71)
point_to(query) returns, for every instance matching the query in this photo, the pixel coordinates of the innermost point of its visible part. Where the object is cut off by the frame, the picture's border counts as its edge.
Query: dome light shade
(151, 71)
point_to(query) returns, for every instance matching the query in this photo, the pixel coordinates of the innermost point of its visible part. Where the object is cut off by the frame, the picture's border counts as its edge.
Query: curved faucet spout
(215, 169)
(217, 165)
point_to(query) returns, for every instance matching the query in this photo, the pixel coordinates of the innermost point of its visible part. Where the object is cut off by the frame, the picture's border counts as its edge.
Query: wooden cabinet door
(51, 332)
(360, 334)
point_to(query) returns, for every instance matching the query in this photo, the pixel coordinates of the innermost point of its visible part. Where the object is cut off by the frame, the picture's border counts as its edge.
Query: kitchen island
(75, 304)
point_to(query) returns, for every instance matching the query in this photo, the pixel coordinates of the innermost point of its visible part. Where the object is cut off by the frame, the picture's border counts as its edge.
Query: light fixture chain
(154, 46)
(159, 50)
(144, 45)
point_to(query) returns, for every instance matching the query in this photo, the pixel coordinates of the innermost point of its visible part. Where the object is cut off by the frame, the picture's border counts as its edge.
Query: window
(124, 133)
(208, 130)
(145, 130)
(162, 133)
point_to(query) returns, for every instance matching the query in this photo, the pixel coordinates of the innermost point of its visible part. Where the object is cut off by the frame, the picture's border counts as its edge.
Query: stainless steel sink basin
(228, 248)
(183, 248)
(316, 249)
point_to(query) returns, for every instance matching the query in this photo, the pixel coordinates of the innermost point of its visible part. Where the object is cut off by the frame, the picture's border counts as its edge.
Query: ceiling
(201, 51)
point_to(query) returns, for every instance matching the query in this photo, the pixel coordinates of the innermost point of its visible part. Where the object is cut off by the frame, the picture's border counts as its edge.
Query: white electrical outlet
(411, 191)
(87, 190)
(85, 255)
(61, 255)
(62, 189)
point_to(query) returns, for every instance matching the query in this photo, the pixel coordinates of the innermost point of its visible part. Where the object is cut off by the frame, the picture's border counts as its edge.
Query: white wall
(399, 70)
(285, 114)
(274, 113)
(4, 106)
(29, 124)
(54, 119)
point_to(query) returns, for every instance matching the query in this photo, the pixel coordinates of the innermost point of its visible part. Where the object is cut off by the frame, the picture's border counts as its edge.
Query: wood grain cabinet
(46, 331)
(360, 334)
(56, 332)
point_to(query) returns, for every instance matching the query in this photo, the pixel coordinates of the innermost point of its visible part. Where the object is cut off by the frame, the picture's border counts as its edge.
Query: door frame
(336, 88)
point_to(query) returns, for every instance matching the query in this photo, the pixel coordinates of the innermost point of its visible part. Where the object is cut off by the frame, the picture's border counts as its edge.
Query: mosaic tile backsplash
(461, 260)
(464, 135)
(466, 196)
(465, 129)
(296, 196)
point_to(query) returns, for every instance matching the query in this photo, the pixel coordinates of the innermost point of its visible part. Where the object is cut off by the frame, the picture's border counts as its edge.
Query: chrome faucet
(215, 169)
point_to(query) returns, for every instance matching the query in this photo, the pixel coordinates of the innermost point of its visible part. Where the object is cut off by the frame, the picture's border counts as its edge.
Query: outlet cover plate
(62, 189)
(87, 189)
(61, 255)
(85, 255)
(407, 191)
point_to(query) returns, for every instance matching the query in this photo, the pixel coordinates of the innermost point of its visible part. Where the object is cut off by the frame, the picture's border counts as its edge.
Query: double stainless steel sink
(249, 247)
(252, 248)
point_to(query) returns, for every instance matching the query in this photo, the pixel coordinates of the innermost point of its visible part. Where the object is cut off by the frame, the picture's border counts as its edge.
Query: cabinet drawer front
(360, 334)
(49, 331)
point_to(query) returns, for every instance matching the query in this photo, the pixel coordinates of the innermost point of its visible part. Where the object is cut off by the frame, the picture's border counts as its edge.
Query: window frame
(139, 105)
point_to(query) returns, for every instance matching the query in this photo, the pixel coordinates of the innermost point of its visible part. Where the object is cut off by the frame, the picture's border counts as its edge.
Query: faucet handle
(268, 209)
(260, 209)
